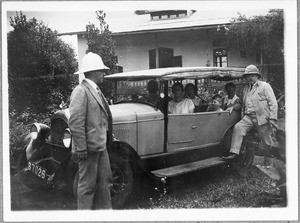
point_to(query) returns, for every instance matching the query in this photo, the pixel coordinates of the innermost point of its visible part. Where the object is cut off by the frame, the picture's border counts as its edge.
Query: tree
(40, 66)
(262, 36)
(100, 41)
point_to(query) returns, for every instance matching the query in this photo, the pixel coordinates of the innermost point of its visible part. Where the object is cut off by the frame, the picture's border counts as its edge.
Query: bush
(19, 127)
(40, 65)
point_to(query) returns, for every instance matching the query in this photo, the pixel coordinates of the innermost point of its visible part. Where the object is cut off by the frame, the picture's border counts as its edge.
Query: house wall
(235, 59)
(82, 47)
(195, 47)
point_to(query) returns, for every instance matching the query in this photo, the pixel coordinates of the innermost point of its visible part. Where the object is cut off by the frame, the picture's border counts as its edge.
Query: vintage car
(146, 140)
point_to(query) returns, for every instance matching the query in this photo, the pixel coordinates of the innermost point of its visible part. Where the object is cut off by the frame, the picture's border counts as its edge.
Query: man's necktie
(103, 99)
(106, 107)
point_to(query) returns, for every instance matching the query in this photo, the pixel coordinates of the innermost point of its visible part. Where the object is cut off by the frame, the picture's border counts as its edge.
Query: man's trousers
(241, 129)
(94, 182)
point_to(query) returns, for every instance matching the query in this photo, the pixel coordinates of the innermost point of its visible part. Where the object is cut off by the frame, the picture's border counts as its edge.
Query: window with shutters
(164, 57)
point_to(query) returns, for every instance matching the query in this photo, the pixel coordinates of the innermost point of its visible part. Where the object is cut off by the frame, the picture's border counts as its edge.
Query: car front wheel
(122, 181)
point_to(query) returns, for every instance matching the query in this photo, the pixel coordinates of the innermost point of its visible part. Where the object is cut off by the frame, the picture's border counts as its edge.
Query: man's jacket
(88, 119)
(263, 100)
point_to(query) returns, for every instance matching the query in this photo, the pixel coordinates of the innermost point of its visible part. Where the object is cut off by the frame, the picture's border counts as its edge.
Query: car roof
(177, 73)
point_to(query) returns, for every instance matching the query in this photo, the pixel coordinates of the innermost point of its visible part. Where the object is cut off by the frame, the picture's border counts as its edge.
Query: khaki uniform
(259, 105)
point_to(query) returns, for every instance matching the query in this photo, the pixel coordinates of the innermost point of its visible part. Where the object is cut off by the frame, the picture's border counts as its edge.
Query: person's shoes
(231, 156)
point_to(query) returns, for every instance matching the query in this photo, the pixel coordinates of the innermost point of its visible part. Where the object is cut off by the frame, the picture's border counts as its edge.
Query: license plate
(37, 170)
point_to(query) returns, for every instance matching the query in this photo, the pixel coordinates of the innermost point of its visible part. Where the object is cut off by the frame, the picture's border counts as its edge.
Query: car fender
(128, 154)
(230, 128)
(34, 146)
(225, 142)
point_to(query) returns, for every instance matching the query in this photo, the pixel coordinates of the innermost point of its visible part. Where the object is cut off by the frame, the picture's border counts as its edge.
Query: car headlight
(34, 130)
(67, 138)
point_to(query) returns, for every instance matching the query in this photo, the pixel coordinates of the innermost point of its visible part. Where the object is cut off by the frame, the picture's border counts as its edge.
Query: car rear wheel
(246, 156)
(122, 181)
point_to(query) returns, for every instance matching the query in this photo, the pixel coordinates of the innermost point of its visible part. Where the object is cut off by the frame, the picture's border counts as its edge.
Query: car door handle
(194, 127)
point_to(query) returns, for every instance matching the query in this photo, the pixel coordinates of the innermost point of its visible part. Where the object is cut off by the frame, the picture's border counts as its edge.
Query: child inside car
(231, 100)
(215, 104)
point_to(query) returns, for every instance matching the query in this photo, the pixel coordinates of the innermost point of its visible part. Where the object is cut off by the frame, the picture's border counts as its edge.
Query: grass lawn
(218, 187)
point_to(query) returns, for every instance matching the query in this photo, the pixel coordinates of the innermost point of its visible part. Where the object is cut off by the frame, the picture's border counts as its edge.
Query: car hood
(128, 112)
(132, 112)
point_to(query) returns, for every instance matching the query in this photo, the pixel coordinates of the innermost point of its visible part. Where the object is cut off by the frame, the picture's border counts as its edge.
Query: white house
(172, 38)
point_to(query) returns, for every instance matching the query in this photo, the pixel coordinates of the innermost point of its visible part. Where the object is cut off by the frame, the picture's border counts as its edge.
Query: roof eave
(167, 30)
(72, 33)
(151, 31)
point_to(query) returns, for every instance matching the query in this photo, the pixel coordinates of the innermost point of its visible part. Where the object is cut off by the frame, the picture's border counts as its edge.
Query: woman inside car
(191, 92)
(180, 104)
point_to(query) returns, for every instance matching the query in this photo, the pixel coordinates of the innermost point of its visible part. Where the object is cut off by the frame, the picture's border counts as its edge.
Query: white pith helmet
(251, 69)
(90, 62)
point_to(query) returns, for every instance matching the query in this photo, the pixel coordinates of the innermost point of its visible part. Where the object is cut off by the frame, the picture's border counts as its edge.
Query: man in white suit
(259, 110)
(89, 121)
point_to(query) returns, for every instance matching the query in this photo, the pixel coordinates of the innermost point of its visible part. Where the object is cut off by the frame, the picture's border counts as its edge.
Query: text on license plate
(37, 170)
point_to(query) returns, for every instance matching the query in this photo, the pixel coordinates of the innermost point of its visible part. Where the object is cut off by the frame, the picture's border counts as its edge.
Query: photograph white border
(225, 214)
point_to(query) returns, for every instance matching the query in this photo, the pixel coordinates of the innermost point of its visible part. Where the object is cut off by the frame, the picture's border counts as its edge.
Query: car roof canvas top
(176, 73)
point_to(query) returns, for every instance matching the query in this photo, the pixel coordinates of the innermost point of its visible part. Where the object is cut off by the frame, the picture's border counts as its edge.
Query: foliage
(100, 41)
(262, 36)
(274, 74)
(19, 126)
(40, 66)
(259, 35)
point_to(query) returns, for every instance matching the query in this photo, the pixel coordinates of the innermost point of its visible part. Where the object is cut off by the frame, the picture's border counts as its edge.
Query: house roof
(175, 73)
(143, 24)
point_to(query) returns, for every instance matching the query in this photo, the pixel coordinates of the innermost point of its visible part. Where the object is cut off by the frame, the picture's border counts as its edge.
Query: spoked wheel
(246, 156)
(245, 159)
(122, 181)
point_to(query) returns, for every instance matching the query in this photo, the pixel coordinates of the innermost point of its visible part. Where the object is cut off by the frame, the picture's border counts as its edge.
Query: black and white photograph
(150, 111)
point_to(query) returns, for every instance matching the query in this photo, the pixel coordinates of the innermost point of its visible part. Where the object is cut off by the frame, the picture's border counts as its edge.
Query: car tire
(122, 181)
(246, 156)
(226, 142)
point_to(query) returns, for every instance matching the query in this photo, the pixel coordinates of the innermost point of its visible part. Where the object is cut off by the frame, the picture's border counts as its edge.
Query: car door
(181, 131)
(198, 130)
(211, 127)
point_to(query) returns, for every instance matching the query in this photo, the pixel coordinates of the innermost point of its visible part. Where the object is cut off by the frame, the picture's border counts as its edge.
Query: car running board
(188, 167)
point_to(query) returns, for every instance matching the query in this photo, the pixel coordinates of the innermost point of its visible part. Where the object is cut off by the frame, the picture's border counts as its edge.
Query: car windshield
(135, 86)
(139, 91)
(136, 91)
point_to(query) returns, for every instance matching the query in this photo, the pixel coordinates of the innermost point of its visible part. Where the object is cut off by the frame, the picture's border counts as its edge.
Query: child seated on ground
(215, 104)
